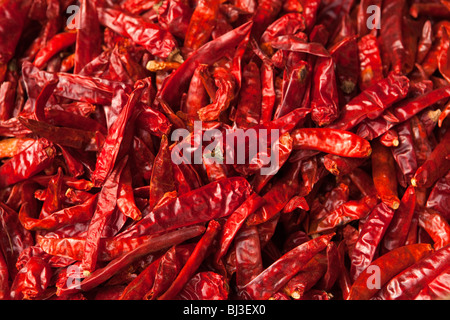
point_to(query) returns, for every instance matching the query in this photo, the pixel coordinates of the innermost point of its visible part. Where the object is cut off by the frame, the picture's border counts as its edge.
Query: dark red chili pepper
(439, 197)
(373, 128)
(436, 166)
(248, 111)
(435, 225)
(424, 271)
(384, 175)
(377, 97)
(369, 238)
(156, 40)
(281, 271)
(404, 257)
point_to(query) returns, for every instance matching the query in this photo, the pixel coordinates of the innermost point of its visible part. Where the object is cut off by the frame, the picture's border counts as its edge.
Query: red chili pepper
(377, 97)
(156, 40)
(58, 43)
(369, 238)
(281, 271)
(435, 225)
(404, 257)
(436, 166)
(439, 197)
(384, 175)
(339, 142)
(27, 163)
(425, 270)
(201, 24)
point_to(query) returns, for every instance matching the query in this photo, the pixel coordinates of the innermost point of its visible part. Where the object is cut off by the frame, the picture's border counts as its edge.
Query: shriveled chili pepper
(111, 147)
(349, 211)
(435, 225)
(27, 163)
(374, 128)
(306, 278)
(194, 261)
(436, 166)
(158, 41)
(178, 212)
(338, 142)
(438, 198)
(369, 238)
(397, 231)
(168, 268)
(384, 176)
(201, 24)
(205, 285)
(379, 96)
(102, 274)
(436, 289)
(103, 211)
(273, 278)
(424, 270)
(390, 264)
(235, 221)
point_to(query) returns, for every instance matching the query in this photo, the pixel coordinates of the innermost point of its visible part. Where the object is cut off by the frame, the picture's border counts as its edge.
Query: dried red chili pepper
(436, 166)
(274, 277)
(390, 264)
(369, 238)
(375, 98)
(425, 270)
(384, 176)
(338, 142)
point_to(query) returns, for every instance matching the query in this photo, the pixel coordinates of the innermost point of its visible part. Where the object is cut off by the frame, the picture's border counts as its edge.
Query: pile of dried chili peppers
(93, 205)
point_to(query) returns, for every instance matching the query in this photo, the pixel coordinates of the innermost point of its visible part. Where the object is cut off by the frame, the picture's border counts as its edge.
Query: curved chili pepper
(435, 225)
(281, 271)
(338, 142)
(436, 166)
(194, 261)
(106, 204)
(170, 265)
(207, 54)
(111, 146)
(156, 40)
(374, 128)
(179, 211)
(102, 274)
(439, 197)
(397, 231)
(235, 221)
(27, 163)
(424, 271)
(390, 265)
(349, 211)
(58, 43)
(248, 111)
(379, 96)
(404, 154)
(307, 277)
